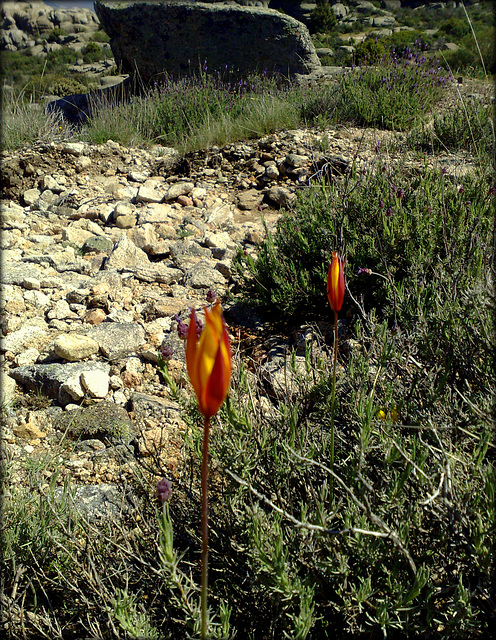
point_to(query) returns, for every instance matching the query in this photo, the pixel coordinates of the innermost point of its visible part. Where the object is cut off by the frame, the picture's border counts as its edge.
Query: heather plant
(468, 125)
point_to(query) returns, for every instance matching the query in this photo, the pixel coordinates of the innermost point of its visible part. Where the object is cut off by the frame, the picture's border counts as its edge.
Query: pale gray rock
(29, 356)
(47, 378)
(250, 199)
(100, 502)
(75, 347)
(179, 189)
(72, 387)
(149, 194)
(37, 299)
(32, 283)
(30, 196)
(295, 161)
(74, 148)
(125, 222)
(61, 311)
(16, 341)
(125, 255)
(339, 10)
(281, 196)
(117, 340)
(7, 389)
(203, 275)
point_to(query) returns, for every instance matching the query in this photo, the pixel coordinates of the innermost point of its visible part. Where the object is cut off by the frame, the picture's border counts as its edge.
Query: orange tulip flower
(335, 282)
(208, 360)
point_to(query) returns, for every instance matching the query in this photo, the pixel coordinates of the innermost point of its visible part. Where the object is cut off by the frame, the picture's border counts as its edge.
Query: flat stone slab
(48, 378)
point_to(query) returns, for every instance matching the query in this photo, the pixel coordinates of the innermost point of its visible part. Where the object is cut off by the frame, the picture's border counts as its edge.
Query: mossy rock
(100, 420)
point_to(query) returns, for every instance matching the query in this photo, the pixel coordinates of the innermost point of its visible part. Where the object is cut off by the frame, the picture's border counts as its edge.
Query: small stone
(250, 199)
(31, 196)
(96, 383)
(74, 148)
(179, 189)
(30, 356)
(97, 244)
(146, 194)
(37, 298)
(30, 431)
(281, 196)
(184, 201)
(7, 389)
(75, 347)
(95, 316)
(31, 283)
(126, 222)
(72, 387)
(82, 163)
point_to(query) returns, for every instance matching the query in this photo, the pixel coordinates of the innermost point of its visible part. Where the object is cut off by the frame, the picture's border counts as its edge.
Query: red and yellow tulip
(208, 360)
(335, 282)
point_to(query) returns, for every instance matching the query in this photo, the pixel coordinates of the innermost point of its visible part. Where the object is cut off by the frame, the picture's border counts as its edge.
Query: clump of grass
(195, 112)
(467, 125)
(25, 122)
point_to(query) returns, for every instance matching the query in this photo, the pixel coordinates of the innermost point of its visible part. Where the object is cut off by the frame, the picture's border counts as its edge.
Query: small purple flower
(182, 328)
(393, 188)
(492, 189)
(164, 489)
(400, 193)
(211, 297)
(382, 204)
(199, 326)
(166, 352)
(461, 189)
(389, 212)
(378, 146)
(364, 271)
(444, 171)
(468, 203)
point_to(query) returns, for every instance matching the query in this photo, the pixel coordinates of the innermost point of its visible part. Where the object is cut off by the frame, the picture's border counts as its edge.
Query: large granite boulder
(151, 38)
(23, 23)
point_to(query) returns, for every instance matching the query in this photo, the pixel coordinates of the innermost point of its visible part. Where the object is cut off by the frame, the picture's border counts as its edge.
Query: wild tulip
(335, 282)
(335, 293)
(209, 364)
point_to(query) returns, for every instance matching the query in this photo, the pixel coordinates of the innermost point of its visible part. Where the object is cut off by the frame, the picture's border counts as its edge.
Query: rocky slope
(102, 247)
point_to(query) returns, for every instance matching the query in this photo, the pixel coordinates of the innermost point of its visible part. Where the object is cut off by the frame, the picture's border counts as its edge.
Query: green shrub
(55, 34)
(100, 36)
(322, 18)
(391, 222)
(92, 52)
(66, 86)
(454, 28)
(465, 126)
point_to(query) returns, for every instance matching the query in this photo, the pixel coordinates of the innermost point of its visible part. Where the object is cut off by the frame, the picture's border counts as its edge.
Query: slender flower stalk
(208, 360)
(335, 293)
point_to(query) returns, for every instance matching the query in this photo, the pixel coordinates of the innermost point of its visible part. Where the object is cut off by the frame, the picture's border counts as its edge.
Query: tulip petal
(192, 353)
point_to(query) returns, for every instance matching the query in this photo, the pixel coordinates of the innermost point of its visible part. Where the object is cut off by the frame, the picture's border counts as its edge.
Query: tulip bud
(335, 282)
(208, 360)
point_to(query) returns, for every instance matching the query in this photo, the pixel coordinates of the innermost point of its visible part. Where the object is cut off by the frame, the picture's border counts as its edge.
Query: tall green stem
(333, 397)
(204, 557)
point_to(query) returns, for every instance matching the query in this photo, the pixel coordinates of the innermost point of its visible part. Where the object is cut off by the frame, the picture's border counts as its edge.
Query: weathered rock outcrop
(23, 22)
(178, 38)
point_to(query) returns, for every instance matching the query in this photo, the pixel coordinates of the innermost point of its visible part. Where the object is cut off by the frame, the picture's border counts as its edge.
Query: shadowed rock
(151, 39)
